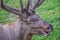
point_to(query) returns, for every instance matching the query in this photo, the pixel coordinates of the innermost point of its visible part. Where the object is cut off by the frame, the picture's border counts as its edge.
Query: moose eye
(34, 20)
(31, 21)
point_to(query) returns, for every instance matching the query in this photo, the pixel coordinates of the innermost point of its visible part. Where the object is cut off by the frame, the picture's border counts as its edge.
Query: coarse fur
(27, 24)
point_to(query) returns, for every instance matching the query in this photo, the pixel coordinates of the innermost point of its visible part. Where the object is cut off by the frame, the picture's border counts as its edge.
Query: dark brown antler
(27, 5)
(34, 6)
(22, 14)
(9, 9)
(39, 2)
(21, 6)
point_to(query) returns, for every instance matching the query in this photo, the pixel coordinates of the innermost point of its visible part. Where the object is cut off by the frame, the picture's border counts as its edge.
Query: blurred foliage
(48, 11)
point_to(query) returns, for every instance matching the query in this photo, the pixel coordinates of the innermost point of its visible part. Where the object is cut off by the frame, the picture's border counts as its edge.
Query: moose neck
(24, 31)
(14, 31)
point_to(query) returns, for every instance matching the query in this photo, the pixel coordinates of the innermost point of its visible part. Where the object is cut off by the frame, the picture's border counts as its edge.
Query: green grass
(48, 11)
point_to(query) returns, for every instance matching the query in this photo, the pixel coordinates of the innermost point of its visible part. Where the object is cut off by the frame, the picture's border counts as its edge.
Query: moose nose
(51, 27)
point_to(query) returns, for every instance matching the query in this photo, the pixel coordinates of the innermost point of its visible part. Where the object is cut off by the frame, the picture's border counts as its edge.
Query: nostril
(48, 27)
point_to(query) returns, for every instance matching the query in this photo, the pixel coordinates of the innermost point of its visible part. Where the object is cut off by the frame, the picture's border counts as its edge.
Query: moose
(27, 24)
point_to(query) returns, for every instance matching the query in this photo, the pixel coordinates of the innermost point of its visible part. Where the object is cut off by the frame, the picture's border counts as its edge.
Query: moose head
(38, 25)
(29, 18)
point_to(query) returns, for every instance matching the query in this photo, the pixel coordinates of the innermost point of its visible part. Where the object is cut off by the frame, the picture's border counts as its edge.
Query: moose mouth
(45, 33)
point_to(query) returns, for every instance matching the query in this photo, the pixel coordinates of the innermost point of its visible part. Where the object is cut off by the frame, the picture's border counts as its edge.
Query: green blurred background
(49, 11)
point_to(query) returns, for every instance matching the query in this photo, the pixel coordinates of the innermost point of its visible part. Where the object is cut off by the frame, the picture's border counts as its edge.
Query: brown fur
(27, 24)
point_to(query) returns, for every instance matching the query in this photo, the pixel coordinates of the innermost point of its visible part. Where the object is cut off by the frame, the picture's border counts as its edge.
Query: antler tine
(1, 3)
(27, 5)
(39, 2)
(34, 6)
(21, 6)
(31, 10)
(9, 9)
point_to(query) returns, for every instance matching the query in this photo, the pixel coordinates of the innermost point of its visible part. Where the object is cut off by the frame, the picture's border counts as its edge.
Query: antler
(21, 6)
(9, 9)
(34, 6)
(27, 5)
(22, 14)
